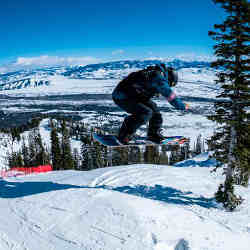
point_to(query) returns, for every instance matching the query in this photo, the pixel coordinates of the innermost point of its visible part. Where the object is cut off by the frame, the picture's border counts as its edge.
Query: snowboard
(112, 141)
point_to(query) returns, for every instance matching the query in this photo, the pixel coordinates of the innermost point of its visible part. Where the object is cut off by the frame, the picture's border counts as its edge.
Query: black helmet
(163, 68)
(169, 72)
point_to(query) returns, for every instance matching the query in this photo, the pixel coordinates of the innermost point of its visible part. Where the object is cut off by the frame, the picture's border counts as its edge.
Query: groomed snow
(137, 207)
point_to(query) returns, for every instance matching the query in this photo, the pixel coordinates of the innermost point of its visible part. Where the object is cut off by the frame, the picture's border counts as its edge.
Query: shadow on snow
(165, 194)
(22, 189)
(158, 192)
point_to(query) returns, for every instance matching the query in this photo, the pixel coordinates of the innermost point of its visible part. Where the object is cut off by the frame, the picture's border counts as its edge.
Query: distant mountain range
(109, 70)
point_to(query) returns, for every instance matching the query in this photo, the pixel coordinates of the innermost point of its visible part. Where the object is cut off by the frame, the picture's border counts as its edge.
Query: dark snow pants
(140, 113)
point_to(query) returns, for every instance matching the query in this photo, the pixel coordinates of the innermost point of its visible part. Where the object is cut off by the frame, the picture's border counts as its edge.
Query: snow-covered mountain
(29, 78)
(115, 70)
(24, 83)
(110, 70)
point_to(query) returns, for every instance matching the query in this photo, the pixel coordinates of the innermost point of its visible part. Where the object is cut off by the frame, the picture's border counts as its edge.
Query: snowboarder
(133, 94)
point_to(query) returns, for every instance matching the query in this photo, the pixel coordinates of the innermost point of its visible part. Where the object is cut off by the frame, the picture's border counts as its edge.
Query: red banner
(25, 170)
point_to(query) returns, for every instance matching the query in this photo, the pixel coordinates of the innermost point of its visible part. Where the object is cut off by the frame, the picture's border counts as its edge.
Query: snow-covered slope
(138, 207)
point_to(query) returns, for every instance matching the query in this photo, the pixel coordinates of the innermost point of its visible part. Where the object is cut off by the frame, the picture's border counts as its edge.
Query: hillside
(142, 207)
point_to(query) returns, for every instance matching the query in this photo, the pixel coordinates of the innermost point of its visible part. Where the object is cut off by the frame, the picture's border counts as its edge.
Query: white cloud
(46, 60)
(188, 57)
(118, 52)
(194, 57)
(3, 70)
(154, 58)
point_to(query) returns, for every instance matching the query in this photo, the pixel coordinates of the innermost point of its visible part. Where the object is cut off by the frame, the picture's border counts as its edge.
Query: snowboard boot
(124, 136)
(155, 136)
(125, 140)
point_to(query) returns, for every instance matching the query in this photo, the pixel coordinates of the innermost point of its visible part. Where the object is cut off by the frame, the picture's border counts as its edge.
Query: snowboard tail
(112, 141)
(107, 140)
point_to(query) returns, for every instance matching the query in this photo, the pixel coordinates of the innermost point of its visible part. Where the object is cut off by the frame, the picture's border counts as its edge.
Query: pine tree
(15, 159)
(173, 158)
(120, 156)
(163, 155)
(135, 155)
(85, 152)
(198, 146)
(41, 154)
(9, 159)
(76, 159)
(19, 159)
(15, 134)
(151, 154)
(242, 177)
(67, 158)
(56, 153)
(25, 153)
(229, 141)
(98, 156)
(38, 155)
(31, 149)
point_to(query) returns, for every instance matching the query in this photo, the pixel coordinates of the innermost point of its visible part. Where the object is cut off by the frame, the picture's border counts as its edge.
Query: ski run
(135, 207)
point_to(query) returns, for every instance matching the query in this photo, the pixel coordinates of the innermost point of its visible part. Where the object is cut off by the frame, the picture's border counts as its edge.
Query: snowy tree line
(32, 152)
(90, 154)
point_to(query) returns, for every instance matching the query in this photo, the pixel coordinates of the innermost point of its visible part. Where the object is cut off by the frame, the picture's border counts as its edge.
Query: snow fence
(16, 171)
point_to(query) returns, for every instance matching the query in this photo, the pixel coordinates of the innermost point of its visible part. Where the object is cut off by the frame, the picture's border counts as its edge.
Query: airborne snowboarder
(133, 94)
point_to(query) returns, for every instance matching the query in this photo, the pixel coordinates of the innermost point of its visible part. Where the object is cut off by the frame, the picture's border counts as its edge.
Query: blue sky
(108, 29)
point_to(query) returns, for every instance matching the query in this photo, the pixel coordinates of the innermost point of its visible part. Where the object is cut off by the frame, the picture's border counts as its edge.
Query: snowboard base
(112, 141)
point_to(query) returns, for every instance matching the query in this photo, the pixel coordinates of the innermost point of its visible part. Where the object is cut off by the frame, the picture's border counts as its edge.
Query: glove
(186, 106)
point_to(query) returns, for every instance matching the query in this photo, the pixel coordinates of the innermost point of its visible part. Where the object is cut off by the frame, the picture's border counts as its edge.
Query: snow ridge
(110, 70)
